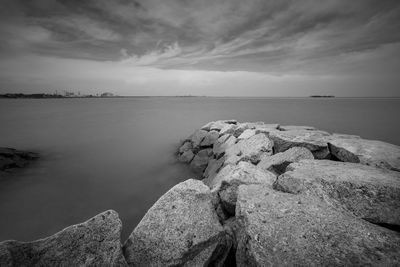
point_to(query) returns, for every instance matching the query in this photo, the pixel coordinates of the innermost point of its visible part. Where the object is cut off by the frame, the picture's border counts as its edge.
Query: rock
(200, 161)
(186, 156)
(197, 137)
(253, 147)
(247, 134)
(223, 143)
(281, 229)
(213, 167)
(181, 228)
(369, 152)
(370, 193)
(210, 139)
(266, 128)
(315, 141)
(185, 147)
(217, 125)
(277, 163)
(293, 127)
(95, 242)
(228, 129)
(11, 158)
(207, 126)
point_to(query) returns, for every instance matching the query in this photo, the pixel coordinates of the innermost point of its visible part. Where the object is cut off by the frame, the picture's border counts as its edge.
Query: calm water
(100, 154)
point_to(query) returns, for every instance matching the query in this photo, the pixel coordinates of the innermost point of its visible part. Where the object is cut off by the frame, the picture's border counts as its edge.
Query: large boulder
(282, 229)
(11, 158)
(315, 141)
(181, 228)
(295, 127)
(200, 161)
(223, 143)
(197, 137)
(186, 156)
(228, 129)
(210, 138)
(277, 163)
(369, 152)
(95, 242)
(370, 193)
(253, 147)
(247, 134)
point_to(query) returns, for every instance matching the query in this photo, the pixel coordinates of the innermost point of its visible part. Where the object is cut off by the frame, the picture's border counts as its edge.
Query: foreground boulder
(181, 228)
(282, 229)
(369, 152)
(95, 242)
(11, 158)
(370, 193)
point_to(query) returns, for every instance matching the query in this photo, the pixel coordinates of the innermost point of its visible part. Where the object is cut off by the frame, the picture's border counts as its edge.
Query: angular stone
(281, 229)
(294, 127)
(315, 141)
(200, 161)
(185, 147)
(253, 147)
(181, 228)
(223, 143)
(214, 165)
(197, 137)
(207, 126)
(247, 134)
(218, 125)
(368, 152)
(186, 156)
(95, 242)
(370, 193)
(277, 163)
(210, 138)
(228, 129)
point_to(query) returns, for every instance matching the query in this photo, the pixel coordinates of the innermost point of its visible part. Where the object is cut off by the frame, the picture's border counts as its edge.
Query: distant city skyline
(205, 48)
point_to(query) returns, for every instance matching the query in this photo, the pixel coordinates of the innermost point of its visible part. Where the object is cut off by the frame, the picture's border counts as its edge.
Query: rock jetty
(269, 195)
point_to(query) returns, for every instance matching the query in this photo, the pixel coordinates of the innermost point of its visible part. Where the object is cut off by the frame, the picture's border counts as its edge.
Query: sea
(120, 153)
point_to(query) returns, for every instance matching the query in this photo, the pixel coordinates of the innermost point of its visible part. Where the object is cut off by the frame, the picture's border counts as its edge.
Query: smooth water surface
(99, 154)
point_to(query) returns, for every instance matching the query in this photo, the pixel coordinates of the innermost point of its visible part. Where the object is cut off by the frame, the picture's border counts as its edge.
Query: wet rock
(95, 242)
(213, 167)
(294, 127)
(185, 147)
(277, 163)
(197, 137)
(369, 152)
(186, 156)
(200, 161)
(210, 139)
(181, 228)
(315, 141)
(11, 158)
(281, 229)
(223, 143)
(247, 134)
(370, 193)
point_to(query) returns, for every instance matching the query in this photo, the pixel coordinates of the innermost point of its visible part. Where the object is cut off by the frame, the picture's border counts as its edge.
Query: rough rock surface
(95, 242)
(200, 161)
(370, 193)
(11, 158)
(277, 163)
(315, 141)
(181, 227)
(294, 127)
(197, 137)
(369, 152)
(247, 134)
(210, 138)
(281, 229)
(252, 148)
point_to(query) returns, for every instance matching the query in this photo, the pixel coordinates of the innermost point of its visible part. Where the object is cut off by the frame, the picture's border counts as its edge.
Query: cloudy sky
(201, 47)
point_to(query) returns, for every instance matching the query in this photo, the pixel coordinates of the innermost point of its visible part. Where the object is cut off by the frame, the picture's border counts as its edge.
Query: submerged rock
(11, 158)
(181, 228)
(186, 156)
(277, 163)
(95, 242)
(370, 193)
(369, 152)
(294, 127)
(281, 229)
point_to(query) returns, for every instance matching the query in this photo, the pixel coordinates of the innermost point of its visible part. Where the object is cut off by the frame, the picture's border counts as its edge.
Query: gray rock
(181, 228)
(200, 161)
(294, 127)
(210, 138)
(223, 143)
(186, 156)
(247, 134)
(277, 163)
(370, 193)
(253, 147)
(95, 242)
(369, 152)
(197, 137)
(228, 129)
(213, 167)
(315, 141)
(217, 125)
(185, 147)
(207, 126)
(281, 229)
(11, 158)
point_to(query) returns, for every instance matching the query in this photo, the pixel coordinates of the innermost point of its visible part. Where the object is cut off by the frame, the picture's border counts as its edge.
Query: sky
(201, 47)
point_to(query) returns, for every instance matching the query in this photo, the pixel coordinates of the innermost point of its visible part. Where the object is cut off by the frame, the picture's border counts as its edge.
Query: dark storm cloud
(255, 35)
